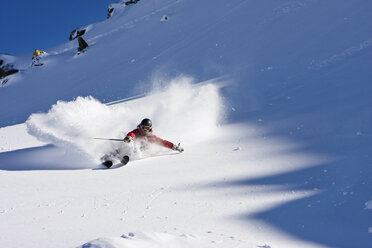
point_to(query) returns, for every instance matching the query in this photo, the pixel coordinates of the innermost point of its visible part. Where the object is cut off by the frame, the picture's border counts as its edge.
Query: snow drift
(180, 111)
(142, 239)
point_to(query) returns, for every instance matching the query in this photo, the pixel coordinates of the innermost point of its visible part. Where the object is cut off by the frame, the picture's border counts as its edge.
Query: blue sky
(41, 24)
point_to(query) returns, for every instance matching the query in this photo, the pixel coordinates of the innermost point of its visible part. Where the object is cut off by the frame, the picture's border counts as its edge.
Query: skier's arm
(128, 139)
(130, 136)
(166, 143)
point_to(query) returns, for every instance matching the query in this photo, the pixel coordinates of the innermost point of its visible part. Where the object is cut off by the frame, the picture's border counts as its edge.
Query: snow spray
(180, 111)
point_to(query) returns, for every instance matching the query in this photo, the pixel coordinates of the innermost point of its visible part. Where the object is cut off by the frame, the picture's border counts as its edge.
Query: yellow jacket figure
(37, 53)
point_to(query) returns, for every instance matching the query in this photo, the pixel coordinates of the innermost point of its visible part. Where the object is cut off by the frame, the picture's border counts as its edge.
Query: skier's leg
(106, 160)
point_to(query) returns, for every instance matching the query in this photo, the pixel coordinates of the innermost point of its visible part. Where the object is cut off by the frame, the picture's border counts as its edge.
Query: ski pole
(109, 139)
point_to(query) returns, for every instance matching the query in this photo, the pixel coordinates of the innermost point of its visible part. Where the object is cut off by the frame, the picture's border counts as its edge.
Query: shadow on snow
(42, 158)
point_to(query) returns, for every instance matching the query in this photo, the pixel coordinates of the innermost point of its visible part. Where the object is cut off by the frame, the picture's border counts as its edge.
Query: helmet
(146, 125)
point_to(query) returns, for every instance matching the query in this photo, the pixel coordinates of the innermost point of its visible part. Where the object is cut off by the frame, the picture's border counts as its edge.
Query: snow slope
(269, 98)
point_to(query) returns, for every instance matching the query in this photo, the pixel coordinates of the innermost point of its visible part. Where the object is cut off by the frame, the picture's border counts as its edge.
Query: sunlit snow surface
(275, 118)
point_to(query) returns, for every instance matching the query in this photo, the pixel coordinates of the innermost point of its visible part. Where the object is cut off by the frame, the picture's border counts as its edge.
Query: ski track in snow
(351, 51)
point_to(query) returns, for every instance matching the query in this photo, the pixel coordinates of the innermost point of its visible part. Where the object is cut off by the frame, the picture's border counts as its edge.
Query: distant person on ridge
(36, 58)
(144, 137)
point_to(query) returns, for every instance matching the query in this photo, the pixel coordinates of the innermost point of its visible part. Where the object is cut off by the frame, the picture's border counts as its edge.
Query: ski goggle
(146, 128)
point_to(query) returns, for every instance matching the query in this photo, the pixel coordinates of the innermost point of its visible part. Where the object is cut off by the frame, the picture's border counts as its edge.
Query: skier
(143, 133)
(144, 137)
(36, 58)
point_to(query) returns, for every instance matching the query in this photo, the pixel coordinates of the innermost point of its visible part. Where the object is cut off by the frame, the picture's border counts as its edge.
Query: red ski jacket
(136, 133)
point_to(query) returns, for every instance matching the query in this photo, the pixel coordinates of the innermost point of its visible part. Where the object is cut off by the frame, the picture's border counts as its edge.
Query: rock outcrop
(111, 8)
(131, 2)
(77, 33)
(6, 70)
(110, 12)
(82, 44)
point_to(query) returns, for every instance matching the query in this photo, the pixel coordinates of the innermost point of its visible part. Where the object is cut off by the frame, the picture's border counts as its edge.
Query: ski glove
(178, 148)
(128, 139)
